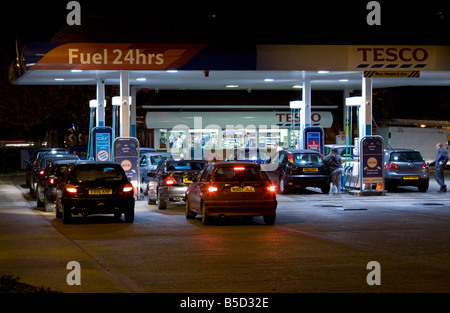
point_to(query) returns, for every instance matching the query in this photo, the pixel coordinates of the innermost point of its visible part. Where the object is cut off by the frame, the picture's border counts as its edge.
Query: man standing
(441, 160)
(334, 162)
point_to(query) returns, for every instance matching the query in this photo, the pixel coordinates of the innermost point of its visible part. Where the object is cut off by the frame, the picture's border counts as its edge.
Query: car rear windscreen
(306, 158)
(406, 157)
(92, 173)
(239, 173)
(184, 166)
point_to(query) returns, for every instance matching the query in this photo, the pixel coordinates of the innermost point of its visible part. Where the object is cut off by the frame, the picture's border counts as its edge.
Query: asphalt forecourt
(319, 243)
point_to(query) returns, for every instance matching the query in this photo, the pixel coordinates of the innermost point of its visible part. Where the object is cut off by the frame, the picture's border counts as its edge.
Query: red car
(231, 189)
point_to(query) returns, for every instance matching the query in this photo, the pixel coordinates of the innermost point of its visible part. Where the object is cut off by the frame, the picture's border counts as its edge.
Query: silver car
(170, 181)
(405, 167)
(148, 164)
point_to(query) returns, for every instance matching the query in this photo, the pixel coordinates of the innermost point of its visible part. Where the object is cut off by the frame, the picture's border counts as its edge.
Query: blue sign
(313, 138)
(102, 138)
(126, 153)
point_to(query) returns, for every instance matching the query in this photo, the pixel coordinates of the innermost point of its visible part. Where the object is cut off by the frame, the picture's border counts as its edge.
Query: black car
(46, 187)
(170, 181)
(300, 169)
(34, 156)
(90, 187)
(41, 163)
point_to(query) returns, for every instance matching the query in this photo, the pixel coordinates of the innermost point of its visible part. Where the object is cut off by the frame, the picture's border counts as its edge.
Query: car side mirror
(150, 174)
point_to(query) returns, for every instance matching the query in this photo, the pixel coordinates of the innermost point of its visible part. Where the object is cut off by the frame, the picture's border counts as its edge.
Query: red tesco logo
(393, 54)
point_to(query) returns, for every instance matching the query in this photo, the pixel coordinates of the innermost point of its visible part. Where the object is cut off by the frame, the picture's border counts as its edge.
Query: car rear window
(406, 157)
(156, 159)
(239, 173)
(185, 166)
(252, 155)
(86, 173)
(306, 158)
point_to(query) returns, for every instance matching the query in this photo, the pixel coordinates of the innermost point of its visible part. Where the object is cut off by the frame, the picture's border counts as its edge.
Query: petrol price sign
(372, 160)
(126, 153)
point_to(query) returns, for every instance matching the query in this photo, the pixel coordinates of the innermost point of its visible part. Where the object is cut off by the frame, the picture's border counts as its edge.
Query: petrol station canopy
(219, 67)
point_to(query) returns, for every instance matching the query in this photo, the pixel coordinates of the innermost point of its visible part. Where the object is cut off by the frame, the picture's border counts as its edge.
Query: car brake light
(52, 181)
(212, 188)
(239, 168)
(271, 188)
(128, 188)
(170, 180)
(41, 172)
(290, 158)
(391, 166)
(71, 188)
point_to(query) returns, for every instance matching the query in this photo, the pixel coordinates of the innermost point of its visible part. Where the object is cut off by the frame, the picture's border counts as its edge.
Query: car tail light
(170, 180)
(391, 166)
(272, 188)
(290, 158)
(128, 188)
(71, 188)
(424, 166)
(52, 181)
(212, 189)
(239, 168)
(41, 172)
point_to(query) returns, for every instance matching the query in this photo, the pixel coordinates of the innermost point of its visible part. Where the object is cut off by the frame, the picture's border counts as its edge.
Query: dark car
(90, 187)
(46, 187)
(232, 188)
(148, 163)
(298, 168)
(255, 155)
(405, 167)
(34, 156)
(171, 180)
(41, 163)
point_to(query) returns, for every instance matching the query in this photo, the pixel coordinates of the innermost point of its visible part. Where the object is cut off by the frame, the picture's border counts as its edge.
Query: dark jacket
(441, 156)
(334, 161)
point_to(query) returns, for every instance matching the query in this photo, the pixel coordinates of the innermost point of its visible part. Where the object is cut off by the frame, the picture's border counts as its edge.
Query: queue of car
(237, 186)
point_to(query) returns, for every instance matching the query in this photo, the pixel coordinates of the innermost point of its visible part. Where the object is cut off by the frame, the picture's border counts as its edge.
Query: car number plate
(187, 180)
(310, 169)
(410, 177)
(242, 189)
(100, 191)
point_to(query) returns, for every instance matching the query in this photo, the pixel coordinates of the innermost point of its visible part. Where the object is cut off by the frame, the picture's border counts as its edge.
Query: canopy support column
(125, 104)
(365, 111)
(100, 116)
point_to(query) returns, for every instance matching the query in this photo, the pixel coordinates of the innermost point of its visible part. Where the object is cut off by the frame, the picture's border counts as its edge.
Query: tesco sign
(405, 54)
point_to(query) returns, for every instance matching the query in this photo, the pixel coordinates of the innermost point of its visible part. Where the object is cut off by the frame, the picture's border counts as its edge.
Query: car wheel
(325, 188)
(129, 213)
(284, 189)
(205, 218)
(49, 206)
(189, 213)
(269, 219)
(423, 187)
(162, 204)
(66, 213)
